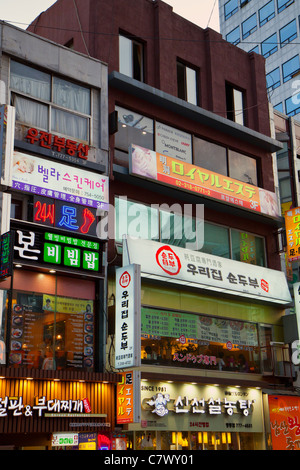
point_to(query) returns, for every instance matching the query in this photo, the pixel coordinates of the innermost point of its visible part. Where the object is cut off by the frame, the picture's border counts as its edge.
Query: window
(186, 83)
(235, 104)
(290, 68)
(247, 248)
(255, 49)
(234, 36)
(230, 8)
(279, 107)
(133, 128)
(164, 224)
(288, 33)
(249, 26)
(172, 226)
(131, 61)
(282, 4)
(292, 106)
(52, 329)
(207, 347)
(269, 45)
(266, 13)
(224, 161)
(49, 102)
(273, 79)
(284, 174)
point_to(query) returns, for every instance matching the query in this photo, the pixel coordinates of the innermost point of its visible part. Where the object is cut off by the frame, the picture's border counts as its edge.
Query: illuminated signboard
(57, 143)
(292, 227)
(57, 250)
(65, 215)
(6, 255)
(66, 183)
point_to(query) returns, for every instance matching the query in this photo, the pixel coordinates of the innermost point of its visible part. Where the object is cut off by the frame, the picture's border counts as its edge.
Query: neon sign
(64, 215)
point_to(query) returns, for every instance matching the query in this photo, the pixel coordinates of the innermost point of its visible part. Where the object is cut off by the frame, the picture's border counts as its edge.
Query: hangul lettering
(242, 280)
(66, 405)
(16, 404)
(216, 274)
(195, 405)
(192, 269)
(45, 171)
(214, 409)
(53, 405)
(177, 404)
(54, 173)
(59, 143)
(229, 406)
(89, 182)
(231, 278)
(45, 139)
(253, 282)
(71, 147)
(32, 135)
(73, 256)
(79, 181)
(3, 406)
(204, 271)
(67, 177)
(83, 151)
(244, 406)
(40, 405)
(100, 185)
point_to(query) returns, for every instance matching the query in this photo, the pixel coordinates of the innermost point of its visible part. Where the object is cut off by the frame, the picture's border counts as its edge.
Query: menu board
(198, 327)
(52, 333)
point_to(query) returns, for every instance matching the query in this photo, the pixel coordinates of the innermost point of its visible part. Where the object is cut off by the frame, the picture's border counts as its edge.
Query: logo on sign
(229, 345)
(264, 285)
(125, 280)
(167, 259)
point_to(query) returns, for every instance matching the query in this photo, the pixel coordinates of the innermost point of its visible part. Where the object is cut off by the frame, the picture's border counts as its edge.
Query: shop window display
(201, 342)
(51, 331)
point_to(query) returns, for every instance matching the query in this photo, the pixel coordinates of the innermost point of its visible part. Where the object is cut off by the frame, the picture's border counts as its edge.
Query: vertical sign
(129, 398)
(284, 420)
(292, 227)
(6, 255)
(2, 112)
(128, 317)
(7, 132)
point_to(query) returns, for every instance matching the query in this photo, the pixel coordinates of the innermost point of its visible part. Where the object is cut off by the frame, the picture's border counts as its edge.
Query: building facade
(192, 183)
(269, 28)
(54, 129)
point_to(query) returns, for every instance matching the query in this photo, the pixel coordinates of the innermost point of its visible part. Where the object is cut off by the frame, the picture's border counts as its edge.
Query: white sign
(173, 142)
(67, 183)
(205, 271)
(64, 439)
(196, 407)
(128, 317)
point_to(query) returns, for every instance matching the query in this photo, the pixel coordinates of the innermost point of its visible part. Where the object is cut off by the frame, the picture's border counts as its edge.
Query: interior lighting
(18, 266)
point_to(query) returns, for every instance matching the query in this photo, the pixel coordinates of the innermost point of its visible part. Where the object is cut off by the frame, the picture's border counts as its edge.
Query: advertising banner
(285, 422)
(187, 177)
(129, 398)
(42, 177)
(292, 228)
(128, 317)
(173, 142)
(204, 271)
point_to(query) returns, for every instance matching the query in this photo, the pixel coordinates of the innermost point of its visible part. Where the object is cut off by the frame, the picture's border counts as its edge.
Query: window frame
(286, 78)
(271, 50)
(189, 95)
(237, 41)
(133, 42)
(267, 18)
(284, 5)
(253, 27)
(51, 105)
(233, 11)
(275, 84)
(291, 37)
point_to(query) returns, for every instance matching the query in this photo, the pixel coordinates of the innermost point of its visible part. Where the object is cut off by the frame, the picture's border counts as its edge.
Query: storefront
(44, 412)
(189, 416)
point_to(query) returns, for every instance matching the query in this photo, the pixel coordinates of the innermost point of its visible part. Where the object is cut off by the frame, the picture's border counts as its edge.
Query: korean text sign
(187, 177)
(128, 317)
(180, 266)
(285, 422)
(51, 179)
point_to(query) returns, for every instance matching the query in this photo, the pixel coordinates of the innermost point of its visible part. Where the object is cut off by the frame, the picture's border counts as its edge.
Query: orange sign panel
(292, 227)
(125, 399)
(285, 422)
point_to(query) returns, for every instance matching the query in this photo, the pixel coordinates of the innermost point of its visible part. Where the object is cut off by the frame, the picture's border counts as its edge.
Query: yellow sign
(54, 303)
(292, 227)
